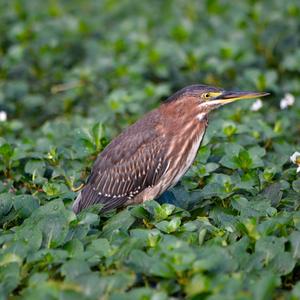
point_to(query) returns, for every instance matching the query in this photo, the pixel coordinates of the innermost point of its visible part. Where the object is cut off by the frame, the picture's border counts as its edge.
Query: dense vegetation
(73, 74)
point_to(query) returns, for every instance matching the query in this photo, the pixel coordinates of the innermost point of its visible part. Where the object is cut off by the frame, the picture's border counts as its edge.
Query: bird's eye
(206, 95)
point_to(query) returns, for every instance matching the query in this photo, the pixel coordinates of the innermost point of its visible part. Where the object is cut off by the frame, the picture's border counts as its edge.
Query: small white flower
(3, 116)
(287, 100)
(295, 159)
(257, 105)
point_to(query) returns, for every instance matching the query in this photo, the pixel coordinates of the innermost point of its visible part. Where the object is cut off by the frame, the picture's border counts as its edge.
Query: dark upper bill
(231, 96)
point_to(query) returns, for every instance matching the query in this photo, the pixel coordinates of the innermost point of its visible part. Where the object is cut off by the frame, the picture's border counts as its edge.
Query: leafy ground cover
(73, 74)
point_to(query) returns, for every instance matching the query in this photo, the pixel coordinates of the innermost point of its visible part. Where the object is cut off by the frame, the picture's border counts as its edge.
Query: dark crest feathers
(192, 90)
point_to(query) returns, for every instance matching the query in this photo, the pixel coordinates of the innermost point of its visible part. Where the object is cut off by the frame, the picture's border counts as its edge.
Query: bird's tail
(76, 204)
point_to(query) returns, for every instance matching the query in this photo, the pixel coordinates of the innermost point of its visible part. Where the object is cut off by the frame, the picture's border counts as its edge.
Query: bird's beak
(231, 96)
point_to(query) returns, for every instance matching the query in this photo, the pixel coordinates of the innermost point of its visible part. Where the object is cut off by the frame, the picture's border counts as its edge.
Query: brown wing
(130, 164)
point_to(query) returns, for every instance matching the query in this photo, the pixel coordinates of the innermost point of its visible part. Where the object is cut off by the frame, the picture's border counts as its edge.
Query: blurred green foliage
(73, 74)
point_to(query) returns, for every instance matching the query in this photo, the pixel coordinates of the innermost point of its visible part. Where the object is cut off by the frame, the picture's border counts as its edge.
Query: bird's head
(203, 98)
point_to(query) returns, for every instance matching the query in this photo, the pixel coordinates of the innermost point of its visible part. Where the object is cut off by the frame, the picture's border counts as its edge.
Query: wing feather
(117, 176)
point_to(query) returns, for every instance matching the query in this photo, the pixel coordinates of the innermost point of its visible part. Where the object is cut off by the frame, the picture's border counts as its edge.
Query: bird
(151, 155)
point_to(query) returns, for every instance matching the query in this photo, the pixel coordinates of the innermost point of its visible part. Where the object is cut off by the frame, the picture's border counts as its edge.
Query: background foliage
(73, 74)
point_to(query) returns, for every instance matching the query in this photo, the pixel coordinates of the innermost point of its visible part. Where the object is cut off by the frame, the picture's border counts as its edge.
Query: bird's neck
(183, 129)
(190, 122)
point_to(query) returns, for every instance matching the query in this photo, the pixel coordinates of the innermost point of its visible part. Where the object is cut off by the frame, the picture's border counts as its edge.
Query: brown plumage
(154, 153)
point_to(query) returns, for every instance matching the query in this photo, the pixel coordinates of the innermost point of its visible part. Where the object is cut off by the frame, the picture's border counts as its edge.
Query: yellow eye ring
(206, 96)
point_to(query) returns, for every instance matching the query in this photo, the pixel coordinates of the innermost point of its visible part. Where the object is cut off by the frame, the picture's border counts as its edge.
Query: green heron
(152, 155)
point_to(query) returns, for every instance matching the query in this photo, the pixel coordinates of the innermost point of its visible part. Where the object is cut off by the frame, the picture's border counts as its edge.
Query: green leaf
(159, 212)
(31, 236)
(25, 205)
(6, 203)
(53, 221)
(294, 239)
(273, 193)
(199, 284)
(52, 189)
(121, 221)
(254, 208)
(97, 132)
(296, 291)
(140, 261)
(140, 293)
(170, 226)
(296, 185)
(100, 247)
(6, 151)
(203, 154)
(265, 286)
(73, 268)
(74, 247)
(243, 160)
(274, 256)
(10, 278)
(35, 167)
